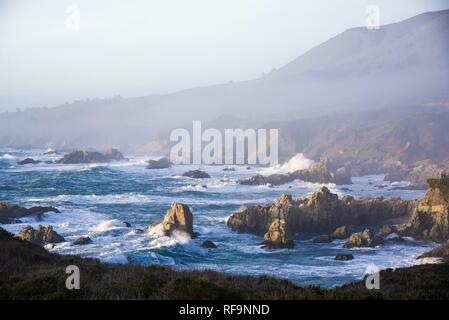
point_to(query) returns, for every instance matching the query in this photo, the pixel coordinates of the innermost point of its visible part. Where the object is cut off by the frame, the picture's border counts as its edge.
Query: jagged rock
(127, 224)
(342, 176)
(40, 236)
(430, 217)
(341, 233)
(28, 161)
(81, 241)
(278, 235)
(196, 174)
(178, 218)
(80, 156)
(344, 257)
(363, 239)
(162, 163)
(208, 244)
(10, 213)
(321, 212)
(439, 252)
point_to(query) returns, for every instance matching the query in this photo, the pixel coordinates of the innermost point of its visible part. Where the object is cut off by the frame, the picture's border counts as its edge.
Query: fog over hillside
(401, 64)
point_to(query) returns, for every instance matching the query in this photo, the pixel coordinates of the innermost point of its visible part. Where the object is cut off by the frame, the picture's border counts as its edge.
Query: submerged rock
(363, 239)
(344, 257)
(196, 174)
(208, 244)
(81, 241)
(10, 213)
(325, 238)
(127, 224)
(162, 163)
(80, 156)
(28, 161)
(177, 218)
(278, 235)
(41, 236)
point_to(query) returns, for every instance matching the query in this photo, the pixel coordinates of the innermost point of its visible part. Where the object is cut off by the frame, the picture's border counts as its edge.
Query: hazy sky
(135, 48)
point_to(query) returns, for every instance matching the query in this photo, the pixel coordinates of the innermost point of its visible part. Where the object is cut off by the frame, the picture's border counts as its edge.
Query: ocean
(96, 200)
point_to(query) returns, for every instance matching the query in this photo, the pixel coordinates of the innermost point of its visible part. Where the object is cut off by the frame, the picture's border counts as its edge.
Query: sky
(52, 51)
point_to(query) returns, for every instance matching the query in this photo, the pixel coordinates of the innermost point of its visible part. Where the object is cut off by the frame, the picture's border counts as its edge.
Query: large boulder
(196, 174)
(177, 218)
(80, 156)
(208, 244)
(10, 213)
(278, 235)
(344, 257)
(162, 163)
(364, 238)
(40, 236)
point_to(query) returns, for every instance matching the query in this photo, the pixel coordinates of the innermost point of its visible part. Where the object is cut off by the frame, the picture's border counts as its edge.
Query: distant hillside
(407, 134)
(400, 64)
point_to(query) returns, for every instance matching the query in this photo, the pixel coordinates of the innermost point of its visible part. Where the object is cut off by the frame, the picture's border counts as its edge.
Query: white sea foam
(7, 156)
(297, 162)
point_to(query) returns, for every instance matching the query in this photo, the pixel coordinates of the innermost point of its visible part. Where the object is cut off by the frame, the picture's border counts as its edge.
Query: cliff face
(323, 211)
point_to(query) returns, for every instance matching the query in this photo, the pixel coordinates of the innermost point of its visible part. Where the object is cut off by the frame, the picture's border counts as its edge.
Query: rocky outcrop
(11, 213)
(41, 236)
(208, 244)
(178, 218)
(318, 173)
(365, 238)
(196, 174)
(430, 217)
(162, 163)
(344, 257)
(278, 235)
(323, 211)
(80, 156)
(81, 241)
(339, 233)
(28, 161)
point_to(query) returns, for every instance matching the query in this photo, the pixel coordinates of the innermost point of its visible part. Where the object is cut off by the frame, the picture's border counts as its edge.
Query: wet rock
(127, 224)
(177, 218)
(80, 156)
(386, 230)
(363, 239)
(28, 161)
(228, 169)
(278, 235)
(40, 236)
(196, 174)
(10, 213)
(162, 163)
(208, 244)
(344, 257)
(81, 241)
(341, 233)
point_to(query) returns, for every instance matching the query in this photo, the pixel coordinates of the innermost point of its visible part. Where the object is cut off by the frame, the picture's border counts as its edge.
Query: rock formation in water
(11, 213)
(439, 252)
(278, 235)
(40, 236)
(80, 156)
(81, 241)
(208, 244)
(162, 163)
(365, 238)
(28, 161)
(178, 218)
(318, 173)
(323, 211)
(196, 174)
(430, 216)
